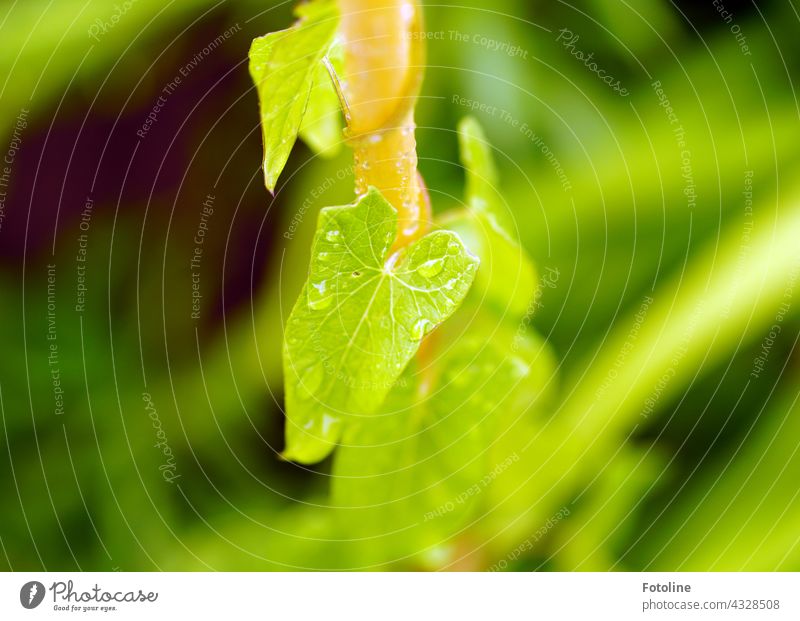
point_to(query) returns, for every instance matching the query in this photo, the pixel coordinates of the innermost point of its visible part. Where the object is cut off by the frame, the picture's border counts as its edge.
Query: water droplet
(521, 368)
(431, 267)
(332, 236)
(387, 242)
(321, 303)
(324, 256)
(421, 328)
(319, 296)
(328, 422)
(388, 267)
(320, 287)
(411, 229)
(453, 248)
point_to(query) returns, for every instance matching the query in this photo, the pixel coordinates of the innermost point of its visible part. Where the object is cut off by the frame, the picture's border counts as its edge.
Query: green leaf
(284, 66)
(507, 278)
(482, 194)
(361, 316)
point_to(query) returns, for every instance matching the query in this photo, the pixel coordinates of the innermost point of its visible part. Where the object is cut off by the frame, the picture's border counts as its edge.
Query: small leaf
(482, 194)
(507, 278)
(361, 316)
(283, 66)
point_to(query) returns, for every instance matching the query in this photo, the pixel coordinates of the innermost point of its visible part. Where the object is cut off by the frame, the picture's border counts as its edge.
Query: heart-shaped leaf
(361, 316)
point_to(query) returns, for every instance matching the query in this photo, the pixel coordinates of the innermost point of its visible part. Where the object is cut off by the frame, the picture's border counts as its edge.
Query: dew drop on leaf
(328, 421)
(332, 236)
(430, 268)
(520, 367)
(420, 329)
(319, 296)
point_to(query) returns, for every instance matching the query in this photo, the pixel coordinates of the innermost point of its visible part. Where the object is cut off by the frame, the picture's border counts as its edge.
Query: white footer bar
(401, 596)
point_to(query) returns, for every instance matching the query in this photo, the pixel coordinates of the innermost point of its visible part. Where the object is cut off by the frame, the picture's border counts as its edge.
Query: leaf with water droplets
(430, 268)
(420, 328)
(284, 66)
(360, 318)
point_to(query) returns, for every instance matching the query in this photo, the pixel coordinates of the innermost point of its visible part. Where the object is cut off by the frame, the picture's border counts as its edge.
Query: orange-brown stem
(383, 61)
(383, 71)
(388, 161)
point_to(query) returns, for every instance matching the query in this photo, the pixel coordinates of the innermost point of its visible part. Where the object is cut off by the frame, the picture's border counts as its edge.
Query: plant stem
(383, 72)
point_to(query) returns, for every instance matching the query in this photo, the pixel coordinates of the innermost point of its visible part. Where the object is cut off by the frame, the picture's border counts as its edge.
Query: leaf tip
(270, 179)
(469, 125)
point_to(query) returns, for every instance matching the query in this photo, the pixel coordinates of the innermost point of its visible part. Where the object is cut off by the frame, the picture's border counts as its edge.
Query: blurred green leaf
(418, 472)
(481, 192)
(740, 513)
(507, 277)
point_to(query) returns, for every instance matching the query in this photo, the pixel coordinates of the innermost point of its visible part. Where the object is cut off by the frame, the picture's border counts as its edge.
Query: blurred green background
(689, 460)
